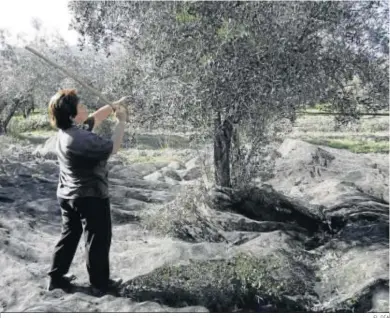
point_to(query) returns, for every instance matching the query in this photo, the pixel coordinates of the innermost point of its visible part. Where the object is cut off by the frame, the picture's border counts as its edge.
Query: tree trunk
(237, 170)
(10, 113)
(222, 147)
(2, 108)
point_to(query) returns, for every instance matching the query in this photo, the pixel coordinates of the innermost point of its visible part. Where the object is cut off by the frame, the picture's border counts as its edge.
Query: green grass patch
(356, 146)
(36, 121)
(325, 123)
(320, 107)
(131, 156)
(313, 110)
(185, 17)
(150, 141)
(33, 137)
(40, 133)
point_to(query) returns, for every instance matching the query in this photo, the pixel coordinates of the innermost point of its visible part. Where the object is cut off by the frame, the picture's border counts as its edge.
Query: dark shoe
(63, 283)
(112, 285)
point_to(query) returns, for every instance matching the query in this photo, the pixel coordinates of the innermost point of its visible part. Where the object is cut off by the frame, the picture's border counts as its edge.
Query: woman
(83, 187)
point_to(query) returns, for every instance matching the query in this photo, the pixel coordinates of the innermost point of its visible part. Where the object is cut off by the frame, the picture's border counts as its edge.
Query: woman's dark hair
(63, 107)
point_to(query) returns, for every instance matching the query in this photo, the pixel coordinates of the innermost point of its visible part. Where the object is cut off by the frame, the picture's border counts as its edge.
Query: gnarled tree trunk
(8, 114)
(266, 204)
(2, 108)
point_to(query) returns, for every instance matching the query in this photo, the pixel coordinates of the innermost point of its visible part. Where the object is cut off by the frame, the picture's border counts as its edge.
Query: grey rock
(192, 174)
(176, 165)
(171, 181)
(172, 174)
(155, 176)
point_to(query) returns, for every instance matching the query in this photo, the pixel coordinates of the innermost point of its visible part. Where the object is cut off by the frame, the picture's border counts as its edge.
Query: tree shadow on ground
(87, 290)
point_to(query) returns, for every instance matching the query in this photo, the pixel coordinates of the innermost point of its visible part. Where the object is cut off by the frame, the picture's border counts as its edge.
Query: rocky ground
(315, 238)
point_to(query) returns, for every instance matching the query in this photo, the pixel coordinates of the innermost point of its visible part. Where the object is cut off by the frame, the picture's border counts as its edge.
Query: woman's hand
(118, 103)
(121, 113)
(103, 112)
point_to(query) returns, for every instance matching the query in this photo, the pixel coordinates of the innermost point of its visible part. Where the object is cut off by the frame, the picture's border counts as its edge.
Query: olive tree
(241, 64)
(26, 82)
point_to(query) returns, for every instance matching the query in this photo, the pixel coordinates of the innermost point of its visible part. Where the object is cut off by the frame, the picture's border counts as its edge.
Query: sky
(16, 16)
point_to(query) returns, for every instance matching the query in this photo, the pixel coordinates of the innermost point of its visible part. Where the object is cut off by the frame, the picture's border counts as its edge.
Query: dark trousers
(93, 216)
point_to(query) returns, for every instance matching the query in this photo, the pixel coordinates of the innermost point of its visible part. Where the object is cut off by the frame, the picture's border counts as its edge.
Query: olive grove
(27, 83)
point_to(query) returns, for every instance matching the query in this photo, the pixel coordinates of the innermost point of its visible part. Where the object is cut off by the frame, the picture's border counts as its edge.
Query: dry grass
(184, 218)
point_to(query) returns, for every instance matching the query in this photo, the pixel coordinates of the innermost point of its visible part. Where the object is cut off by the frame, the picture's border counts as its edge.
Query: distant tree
(24, 81)
(27, 83)
(243, 64)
